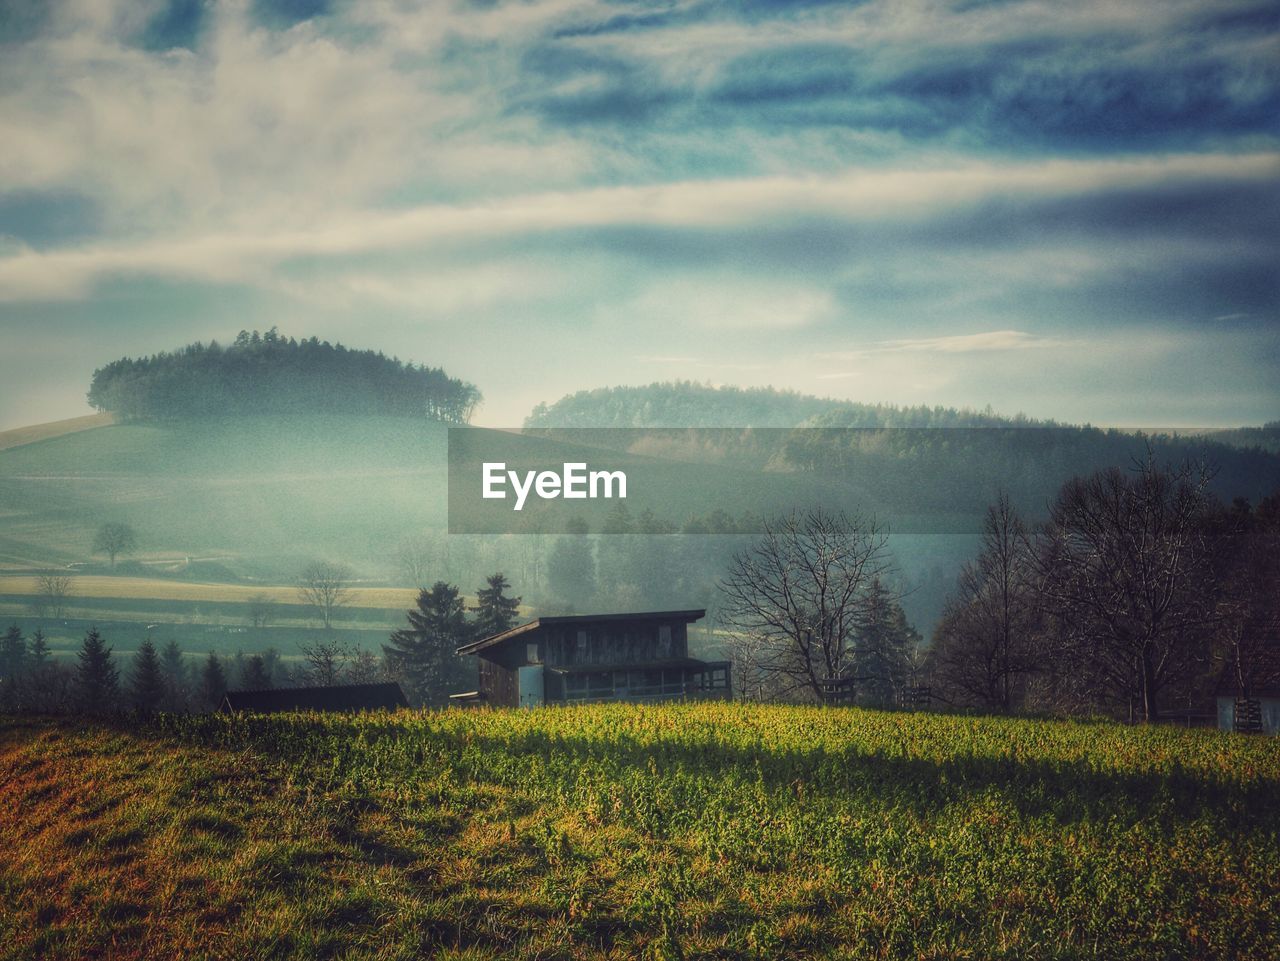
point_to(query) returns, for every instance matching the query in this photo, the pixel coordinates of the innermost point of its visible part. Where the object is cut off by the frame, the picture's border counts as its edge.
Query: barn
(595, 657)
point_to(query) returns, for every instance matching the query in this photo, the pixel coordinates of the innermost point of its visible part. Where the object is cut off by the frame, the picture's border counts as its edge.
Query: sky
(1070, 210)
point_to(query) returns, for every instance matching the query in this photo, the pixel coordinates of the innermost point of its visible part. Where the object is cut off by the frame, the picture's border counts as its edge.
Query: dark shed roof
(345, 697)
(536, 624)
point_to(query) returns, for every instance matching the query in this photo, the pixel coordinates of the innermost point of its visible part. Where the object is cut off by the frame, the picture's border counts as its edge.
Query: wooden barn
(344, 697)
(595, 657)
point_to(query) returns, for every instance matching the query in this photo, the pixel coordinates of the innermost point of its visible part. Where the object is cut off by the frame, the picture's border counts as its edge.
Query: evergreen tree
(253, 673)
(13, 653)
(495, 612)
(38, 653)
(883, 647)
(13, 656)
(571, 570)
(213, 682)
(146, 681)
(177, 679)
(422, 655)
(97, 682)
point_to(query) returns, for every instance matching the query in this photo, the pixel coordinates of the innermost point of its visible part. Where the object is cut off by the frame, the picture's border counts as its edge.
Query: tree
(213, 682)
(97, 682)
(414, 558)
(571, 569)
(254, 675)
(261, 610)
(1247, 559)
(13, 664)
(38, 652)
(13, 653)
(883, 647)
(325, 587)
(52, 591)
(48, 685)
(984, 646)
(423, 655)
(114, 539)
(326, 656)
(494, 611)
(801, 593)
(1124, 571)
(146, 680)
(365, 668)
(177, 679)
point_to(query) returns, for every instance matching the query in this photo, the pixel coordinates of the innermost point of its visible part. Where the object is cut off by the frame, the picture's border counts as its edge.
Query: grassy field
(18, 436)
(693, 831)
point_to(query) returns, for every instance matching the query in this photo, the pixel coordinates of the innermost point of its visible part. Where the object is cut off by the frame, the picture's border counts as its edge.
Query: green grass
(697, 831)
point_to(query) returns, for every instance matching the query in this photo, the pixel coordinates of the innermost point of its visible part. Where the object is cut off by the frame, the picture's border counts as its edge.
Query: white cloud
(244, 255)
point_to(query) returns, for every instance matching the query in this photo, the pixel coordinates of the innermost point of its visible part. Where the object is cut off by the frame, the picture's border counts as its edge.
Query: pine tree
(146, 681)
(882, 648)
(13, 654)
(253, 673)
(177, 678)
(422, 655)
(97, 682)
(495, 612)
(213, 682)
(38, 653)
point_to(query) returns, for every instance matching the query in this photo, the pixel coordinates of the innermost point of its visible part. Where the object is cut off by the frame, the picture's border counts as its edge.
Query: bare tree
(114, 539)
(800, 596)
(365, 668)
(327, 657)
(261, 610)
(1124, 571)
(325, 587)
(984, 645)
(52, 593)
(414, 557)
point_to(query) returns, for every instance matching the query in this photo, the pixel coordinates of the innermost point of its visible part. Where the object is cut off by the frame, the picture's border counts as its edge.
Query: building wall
(1270, 714)
(610, 642)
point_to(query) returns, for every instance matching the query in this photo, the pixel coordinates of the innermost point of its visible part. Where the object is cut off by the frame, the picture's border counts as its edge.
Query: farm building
(595, 657)
(1259, 710)
(345, 697)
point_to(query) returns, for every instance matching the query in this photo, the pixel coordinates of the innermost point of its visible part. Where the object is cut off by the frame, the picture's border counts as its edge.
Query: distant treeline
(689, 404)
(271, 374)
(899, 459)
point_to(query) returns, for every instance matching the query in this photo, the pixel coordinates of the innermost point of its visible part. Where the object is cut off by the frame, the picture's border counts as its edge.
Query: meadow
(713, 830)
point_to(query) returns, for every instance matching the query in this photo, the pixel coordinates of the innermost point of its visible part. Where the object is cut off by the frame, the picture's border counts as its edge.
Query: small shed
(341, 697)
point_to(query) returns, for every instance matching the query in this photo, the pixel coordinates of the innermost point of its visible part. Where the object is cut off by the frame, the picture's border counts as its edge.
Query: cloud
(901, 197)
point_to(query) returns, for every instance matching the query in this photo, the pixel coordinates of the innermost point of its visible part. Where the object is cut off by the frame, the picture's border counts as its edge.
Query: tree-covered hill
(689, 404)
(271, 374)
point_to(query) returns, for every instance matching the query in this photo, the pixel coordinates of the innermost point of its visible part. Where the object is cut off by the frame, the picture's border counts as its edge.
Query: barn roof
(569, 619)
(344, 697)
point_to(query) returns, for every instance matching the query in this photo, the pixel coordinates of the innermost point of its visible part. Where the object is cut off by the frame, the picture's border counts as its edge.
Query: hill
(19, 436)
(263, 492)
(689, 404)
(270, 373)
(712, 830)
